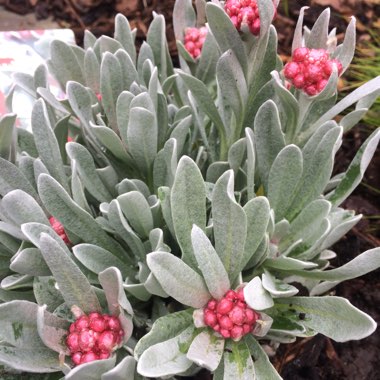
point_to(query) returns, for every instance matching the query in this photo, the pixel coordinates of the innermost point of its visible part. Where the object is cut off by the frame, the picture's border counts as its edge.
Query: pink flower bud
(244, 13)
(299, 81)
(291, 69)
(58, 228)
(231, 295)
(250, 316)
(255, 27)
(104, 355)
(76, 358)
(211, 305)
(94, 337)
(230, 313)
(226, 323)
(210, 318)
(237, 332)
(94, 315)
(114, 323)
(321, 84)
(225, 306)
(82, 323)
(237, 315)
(311, 90)
(225, 333)
(247, 328)
(300, 54)
(194, 39)
(86, 340)
(106, 341)
(89, 357)
(72, 342)
(98, 324)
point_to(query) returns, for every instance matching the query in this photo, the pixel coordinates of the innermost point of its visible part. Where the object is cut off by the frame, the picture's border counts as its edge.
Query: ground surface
(317, 358)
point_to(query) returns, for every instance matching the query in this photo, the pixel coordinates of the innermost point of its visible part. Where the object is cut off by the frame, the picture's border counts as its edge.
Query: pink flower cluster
(194, 40)
(93, 337)
(244, 12)
(58, 228)
(310, 69)
(230, 316)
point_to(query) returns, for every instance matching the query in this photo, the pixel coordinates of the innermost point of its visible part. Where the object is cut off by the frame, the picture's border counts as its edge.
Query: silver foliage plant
(202, 193)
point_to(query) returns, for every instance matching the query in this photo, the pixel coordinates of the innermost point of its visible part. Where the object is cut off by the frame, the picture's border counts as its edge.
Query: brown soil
(317, 358)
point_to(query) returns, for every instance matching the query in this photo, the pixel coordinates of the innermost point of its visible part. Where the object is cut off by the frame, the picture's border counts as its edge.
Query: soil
(316, 358)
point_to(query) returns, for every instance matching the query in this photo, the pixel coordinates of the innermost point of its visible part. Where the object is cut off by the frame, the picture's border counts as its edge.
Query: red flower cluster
(93, 337)
(230, 317)
(310, 69)
(194, 40)
(58, 228)
(244, 12)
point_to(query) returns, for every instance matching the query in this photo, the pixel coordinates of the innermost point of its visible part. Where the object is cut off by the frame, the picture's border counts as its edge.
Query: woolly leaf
(22, 208)
(11, 178)
(206, 350)
(262, 366)
(178, 279)
(230, 225)
(92, 370)
(209, 263)
(355, 172)
(166, 358)
(256, 296)
(269, 139)
(73, 284)
(136, 209)
(188, 205)
(283, 179)
(124, 370)
(164, 328)
(258, 213)
(334, 317)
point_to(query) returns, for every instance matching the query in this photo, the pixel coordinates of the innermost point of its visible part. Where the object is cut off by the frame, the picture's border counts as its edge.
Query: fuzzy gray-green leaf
(209, 263)
(355, 172)
(59, 204)
(178, 279)
(188, 205)
(283, 179)
(73, 284)
(163, 329)
(111, 85)
(333, 317)
(230, 225)
(269, 139)
(87, 171)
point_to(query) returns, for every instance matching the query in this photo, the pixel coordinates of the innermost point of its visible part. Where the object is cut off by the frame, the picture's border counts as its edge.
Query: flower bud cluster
(310, 69)
(58, 228)
(230, 316)
(244, 12)
(93, 337)
(194, 40)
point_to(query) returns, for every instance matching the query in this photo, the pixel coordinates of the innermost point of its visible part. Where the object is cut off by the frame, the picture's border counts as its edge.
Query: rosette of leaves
(33, 334)
(258, 184)
(221, 239)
